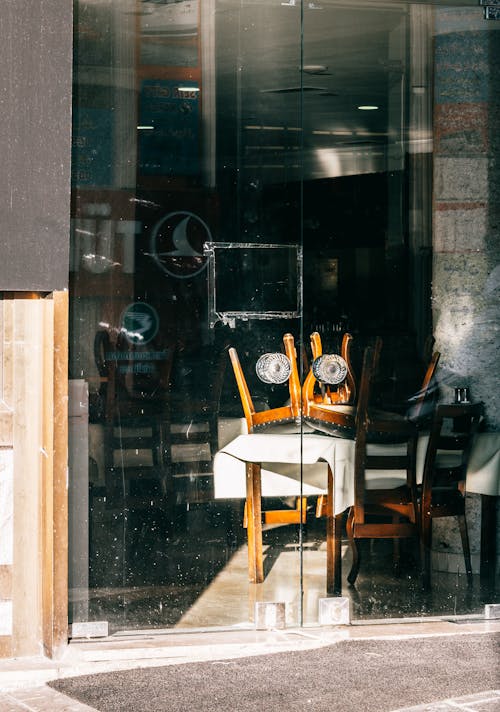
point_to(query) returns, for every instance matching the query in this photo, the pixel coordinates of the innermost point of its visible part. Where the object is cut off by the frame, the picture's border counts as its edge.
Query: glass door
(246, 174)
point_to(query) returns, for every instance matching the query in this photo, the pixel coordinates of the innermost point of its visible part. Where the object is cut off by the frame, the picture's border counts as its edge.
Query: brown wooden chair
(384, 507)
(289, 413)
(330, 410)
(260, 421)
(341, 394)
(443, 485)
(422, 405)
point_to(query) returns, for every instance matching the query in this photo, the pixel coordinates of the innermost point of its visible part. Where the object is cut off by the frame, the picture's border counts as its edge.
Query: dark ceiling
(351, 55)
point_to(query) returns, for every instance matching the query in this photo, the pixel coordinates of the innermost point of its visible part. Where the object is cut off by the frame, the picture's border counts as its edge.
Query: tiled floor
(122, 653)
(40, 699)
(196, 577)
(186, 598)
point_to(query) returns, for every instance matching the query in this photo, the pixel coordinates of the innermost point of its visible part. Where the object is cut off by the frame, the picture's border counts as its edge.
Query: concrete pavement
(22, 681)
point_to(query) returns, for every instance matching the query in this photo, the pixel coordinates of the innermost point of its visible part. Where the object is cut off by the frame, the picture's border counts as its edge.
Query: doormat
(362, 675)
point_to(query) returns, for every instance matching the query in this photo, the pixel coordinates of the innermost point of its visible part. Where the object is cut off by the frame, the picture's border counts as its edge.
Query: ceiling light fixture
(315, 69)
(367, 107)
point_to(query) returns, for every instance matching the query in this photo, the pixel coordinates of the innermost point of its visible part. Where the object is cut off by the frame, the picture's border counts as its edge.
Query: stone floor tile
(9, 705)
(42, 699)
(486, 696)
(486, 701)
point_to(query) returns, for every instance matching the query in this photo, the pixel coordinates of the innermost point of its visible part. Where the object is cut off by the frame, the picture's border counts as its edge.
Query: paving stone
(42, 699)
(487, 701)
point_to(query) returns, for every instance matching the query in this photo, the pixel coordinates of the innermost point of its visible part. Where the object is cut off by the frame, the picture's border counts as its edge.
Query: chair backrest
(369, 367)
(345, 393)
(131, 375)
(394, 435)
(337, 418)
(420, 410)
(450, 443)
(284, 414)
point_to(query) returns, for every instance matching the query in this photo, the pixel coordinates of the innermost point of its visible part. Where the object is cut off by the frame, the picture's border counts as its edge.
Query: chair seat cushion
(340, 421)
(385, 482)
(336, 420)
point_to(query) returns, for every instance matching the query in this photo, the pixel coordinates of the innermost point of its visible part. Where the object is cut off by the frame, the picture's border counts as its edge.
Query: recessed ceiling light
(367, 107)
(315, 69)
(189, 89)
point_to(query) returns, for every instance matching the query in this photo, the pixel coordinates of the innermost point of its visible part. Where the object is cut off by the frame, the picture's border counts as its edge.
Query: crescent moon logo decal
(177, 244)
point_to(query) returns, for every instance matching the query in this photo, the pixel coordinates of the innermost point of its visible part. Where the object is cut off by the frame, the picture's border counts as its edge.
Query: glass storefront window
(242, 171)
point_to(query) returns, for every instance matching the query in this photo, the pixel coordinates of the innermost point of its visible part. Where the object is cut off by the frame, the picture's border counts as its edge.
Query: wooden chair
(264, 420)
(420, 411)
(385, 507)
(285, 414)
(331, 409)
(134, 413)
(443, 485)
(345, 392)
(191, 433)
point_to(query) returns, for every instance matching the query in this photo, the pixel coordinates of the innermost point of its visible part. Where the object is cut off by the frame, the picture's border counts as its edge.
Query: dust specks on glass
(226, 191)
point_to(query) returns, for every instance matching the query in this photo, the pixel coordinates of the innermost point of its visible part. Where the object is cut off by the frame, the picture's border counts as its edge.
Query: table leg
(254, 523)
(333, 543)
(488, 538)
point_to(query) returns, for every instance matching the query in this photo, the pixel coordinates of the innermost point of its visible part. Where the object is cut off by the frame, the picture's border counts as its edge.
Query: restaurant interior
(252, 203)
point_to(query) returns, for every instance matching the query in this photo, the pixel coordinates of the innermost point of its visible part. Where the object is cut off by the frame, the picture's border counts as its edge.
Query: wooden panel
(6, 646)
(60, 492)
(47, 503)
(5, 582)
(27, 330)
(6, 438)
(34, 351)
(6, 361)
(55, 470)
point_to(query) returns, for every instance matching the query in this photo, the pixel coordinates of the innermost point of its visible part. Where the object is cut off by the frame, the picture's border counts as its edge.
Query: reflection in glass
(227, 190)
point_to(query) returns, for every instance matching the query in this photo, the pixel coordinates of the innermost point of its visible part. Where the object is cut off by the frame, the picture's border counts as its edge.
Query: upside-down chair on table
(273, 368)
(328, 394)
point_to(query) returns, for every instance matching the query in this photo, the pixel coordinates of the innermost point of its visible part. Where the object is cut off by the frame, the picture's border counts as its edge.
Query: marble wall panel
(461, 178)
(461, 128)
(460, 227)
(6, 507)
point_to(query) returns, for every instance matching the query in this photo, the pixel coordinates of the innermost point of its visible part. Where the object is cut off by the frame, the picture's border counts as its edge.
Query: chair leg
(425, 551)
(333, 543)
(396, 548)
(353, 573)
(254, 523)
(462, 523)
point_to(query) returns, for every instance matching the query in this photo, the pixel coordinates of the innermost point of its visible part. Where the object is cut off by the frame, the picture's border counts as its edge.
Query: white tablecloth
(281, 457)
(286, 457)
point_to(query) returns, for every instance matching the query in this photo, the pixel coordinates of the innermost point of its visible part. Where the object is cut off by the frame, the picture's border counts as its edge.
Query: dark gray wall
(35, 143)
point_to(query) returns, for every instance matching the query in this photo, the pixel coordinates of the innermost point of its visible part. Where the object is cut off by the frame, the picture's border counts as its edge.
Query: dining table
(297, 461)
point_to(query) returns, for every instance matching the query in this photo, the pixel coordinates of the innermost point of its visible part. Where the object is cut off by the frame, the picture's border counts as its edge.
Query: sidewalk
(22, 681)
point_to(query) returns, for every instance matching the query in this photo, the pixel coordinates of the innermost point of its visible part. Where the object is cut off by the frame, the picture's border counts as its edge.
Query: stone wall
(466, 210)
